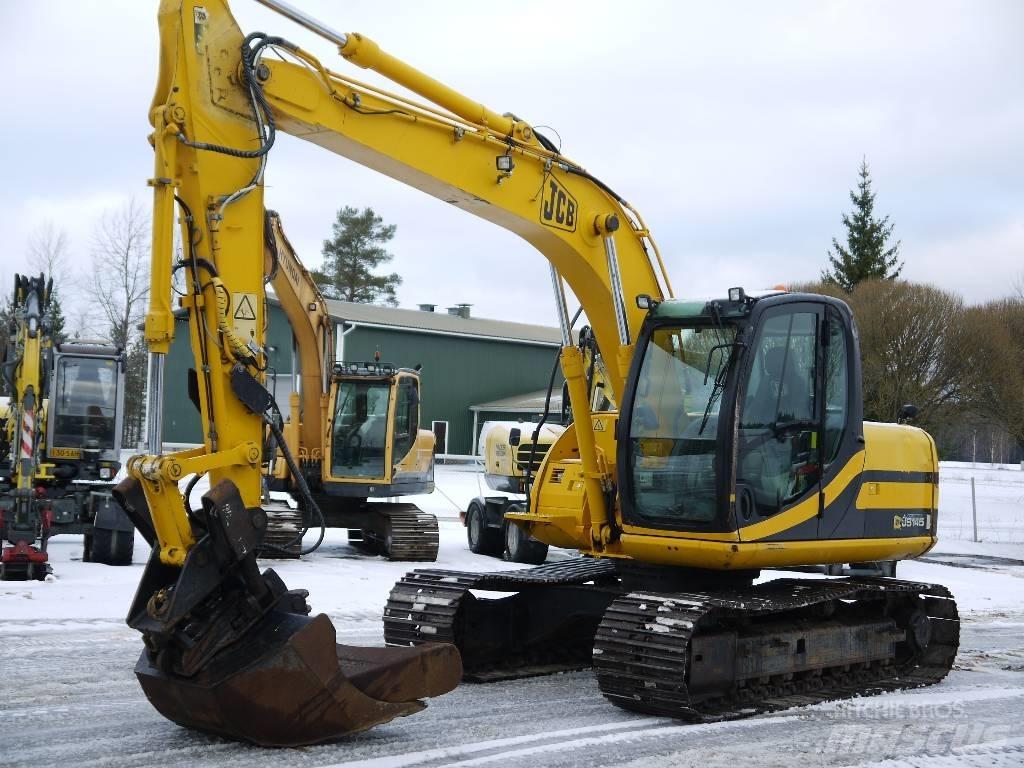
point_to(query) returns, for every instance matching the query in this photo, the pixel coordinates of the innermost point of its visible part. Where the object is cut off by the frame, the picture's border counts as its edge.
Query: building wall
(457, 372)
(181, 419)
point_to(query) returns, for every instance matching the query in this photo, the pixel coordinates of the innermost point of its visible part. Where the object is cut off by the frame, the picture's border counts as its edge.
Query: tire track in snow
(994, 754)
(430, 755)
(621, 731)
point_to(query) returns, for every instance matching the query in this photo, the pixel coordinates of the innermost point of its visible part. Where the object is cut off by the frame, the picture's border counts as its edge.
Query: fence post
(974, 509)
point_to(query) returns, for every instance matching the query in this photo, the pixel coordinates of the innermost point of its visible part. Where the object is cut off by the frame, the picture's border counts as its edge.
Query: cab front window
(673, 428)
(85, 403)
(360, 429)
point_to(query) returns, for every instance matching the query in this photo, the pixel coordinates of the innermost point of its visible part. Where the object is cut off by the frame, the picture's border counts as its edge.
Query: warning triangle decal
(244, 310)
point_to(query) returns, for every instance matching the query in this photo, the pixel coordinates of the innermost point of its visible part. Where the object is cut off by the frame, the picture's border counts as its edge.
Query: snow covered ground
(70, 698)
(999, 492)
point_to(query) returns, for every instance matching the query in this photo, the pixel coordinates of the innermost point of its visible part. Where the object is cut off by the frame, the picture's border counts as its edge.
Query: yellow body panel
(559, 513)
(717, 555)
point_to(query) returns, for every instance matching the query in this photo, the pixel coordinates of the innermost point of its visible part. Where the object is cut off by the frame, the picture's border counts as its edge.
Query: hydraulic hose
(307, 495)
(544, 416)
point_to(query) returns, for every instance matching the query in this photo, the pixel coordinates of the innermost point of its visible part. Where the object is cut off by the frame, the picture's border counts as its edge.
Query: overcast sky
(735, 128)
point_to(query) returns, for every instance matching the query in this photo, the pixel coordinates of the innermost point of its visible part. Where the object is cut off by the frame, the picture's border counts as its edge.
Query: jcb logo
(558, 208)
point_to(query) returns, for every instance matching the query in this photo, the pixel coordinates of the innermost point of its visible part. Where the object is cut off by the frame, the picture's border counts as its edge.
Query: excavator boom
(310, 321)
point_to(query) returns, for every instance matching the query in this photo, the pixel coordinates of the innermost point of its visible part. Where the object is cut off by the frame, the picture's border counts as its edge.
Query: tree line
(962, 366)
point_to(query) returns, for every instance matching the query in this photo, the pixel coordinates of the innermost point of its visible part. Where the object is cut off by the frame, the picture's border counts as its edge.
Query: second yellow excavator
(354, 430)
(738, 443)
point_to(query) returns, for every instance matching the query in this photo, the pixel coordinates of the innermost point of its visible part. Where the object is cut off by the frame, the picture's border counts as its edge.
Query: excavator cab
(738, 410)
(376, 445)
(62, 442)
(85, 409)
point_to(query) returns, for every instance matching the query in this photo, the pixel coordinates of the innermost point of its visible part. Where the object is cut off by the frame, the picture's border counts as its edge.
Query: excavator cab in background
(354, 427)
(62, 442)
(377, 450)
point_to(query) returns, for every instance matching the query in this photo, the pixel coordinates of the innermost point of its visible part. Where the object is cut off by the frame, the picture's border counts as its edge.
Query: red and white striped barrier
(28, 431)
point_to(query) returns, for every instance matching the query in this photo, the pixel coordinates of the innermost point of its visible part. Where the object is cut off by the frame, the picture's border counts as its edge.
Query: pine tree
(352, 254)
(57, 320)
(133, 423)
(6, 316)
(867, 253)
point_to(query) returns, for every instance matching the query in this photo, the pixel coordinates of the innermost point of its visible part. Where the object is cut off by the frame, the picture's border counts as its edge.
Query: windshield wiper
(720, 375)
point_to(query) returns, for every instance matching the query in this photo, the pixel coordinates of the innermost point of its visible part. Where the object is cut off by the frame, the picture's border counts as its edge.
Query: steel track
(643, 643)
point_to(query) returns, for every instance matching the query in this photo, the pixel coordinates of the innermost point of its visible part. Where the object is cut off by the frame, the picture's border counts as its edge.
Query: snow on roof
(531, 402)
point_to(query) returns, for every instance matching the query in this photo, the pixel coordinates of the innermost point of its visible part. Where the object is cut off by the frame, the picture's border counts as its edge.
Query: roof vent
(460, 310)
(427, 307)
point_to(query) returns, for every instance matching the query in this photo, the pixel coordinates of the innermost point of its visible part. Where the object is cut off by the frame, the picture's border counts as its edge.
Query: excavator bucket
(232, 651)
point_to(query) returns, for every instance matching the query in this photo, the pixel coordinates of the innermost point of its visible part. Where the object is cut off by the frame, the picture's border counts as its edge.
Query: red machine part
(22, 552)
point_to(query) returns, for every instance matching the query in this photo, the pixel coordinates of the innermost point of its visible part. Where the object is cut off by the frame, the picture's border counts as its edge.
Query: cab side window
(407, 411)
(836, 386)
(778, 459)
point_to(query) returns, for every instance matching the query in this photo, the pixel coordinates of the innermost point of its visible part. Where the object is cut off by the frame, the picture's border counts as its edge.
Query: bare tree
(48, 250)
(120, 283)
(120, 271)
(48, 253)
(995, 356)
(911, 346)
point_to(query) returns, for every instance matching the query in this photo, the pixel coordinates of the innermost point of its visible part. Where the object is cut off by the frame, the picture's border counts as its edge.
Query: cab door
(842, 432)
(780, 425)
(407, 418)
(797, 453)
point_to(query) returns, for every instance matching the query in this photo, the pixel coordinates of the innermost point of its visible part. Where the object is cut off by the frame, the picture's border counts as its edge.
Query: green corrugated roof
(442, 322)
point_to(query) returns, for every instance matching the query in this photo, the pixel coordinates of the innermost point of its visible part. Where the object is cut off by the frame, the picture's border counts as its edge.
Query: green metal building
(474, 369)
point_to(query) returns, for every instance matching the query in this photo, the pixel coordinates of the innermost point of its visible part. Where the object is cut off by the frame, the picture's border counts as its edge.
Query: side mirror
(514, 436)
(907, 412)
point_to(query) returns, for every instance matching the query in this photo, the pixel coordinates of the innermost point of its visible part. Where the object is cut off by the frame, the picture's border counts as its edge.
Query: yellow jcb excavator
(354, 429)
(738, 444)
